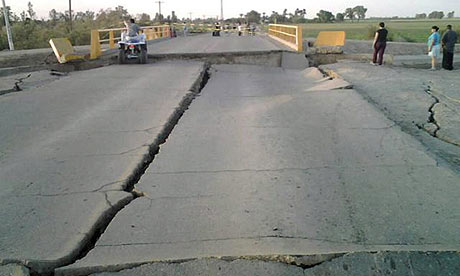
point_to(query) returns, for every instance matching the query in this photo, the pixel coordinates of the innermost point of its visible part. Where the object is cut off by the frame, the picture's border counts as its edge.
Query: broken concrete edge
(47, 267)
(302, 261)
(271, 58)
(318, 59)
(171, 122)
(330, 73)
(419, 132)
(14, 270)
(225, 54)
(129, 185)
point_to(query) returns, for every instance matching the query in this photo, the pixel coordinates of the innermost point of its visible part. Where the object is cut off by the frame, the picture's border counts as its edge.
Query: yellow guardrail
(151, 33)
(330, 39)
(290, 35)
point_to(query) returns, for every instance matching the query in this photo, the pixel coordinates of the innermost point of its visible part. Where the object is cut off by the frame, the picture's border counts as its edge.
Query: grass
(400, 30)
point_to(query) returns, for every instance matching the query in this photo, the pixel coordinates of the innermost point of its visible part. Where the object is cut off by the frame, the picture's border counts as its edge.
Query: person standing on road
(380, 44)
(434, 47)
(240, 29)
(448, 45)
(186, 29)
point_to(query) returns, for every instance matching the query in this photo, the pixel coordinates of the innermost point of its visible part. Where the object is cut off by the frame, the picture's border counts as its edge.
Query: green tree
(253, 16)
(158, 17)
(299, 16)
(420, 16)
(436, 15)
(360, 12)
(173, 17)
(275, 17)
(340, 17)
(325, 16)
(451, 14)
(143, 19)
(54, 16)
(30, 11)
(350, 14)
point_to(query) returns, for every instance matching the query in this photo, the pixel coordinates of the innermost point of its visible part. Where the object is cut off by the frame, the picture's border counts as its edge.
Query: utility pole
(222, 12)
(190, 16)
(8, 28)
(70, 14)
(159, 7)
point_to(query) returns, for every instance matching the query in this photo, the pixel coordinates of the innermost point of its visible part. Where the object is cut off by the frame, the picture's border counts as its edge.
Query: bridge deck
(207, 44)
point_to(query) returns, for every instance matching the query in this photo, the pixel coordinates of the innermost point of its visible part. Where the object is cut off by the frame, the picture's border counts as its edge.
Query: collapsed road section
(274, 162)
(75, 149)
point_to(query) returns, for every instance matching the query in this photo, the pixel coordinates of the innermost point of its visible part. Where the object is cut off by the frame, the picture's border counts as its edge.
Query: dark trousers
(448, 60)
(379, 51)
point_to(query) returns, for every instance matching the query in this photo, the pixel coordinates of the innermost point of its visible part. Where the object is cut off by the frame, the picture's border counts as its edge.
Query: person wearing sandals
(434, 47)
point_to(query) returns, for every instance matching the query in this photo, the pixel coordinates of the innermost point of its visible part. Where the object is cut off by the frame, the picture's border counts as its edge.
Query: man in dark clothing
(380, 44)
(448, 45)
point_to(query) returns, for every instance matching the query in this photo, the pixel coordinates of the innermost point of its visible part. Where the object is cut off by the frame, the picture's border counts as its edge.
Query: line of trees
(299, 16)
(358, 12)
(30, 32)
(435, 15)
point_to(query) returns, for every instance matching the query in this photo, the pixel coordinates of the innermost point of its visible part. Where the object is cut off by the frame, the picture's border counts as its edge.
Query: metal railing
(151, 33)
(290, 35)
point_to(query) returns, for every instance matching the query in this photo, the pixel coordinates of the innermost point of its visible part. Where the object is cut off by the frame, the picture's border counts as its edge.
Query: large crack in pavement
(432, 126)
(428, 130)
(353, 263)
(129, 185)
(17, 86)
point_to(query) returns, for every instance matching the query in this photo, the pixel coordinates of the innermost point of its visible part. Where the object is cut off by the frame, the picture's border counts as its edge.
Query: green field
(400, 30)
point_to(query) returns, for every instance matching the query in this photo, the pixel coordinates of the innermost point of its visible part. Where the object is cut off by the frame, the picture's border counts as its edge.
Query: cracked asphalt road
(68, 150)
(267, 162)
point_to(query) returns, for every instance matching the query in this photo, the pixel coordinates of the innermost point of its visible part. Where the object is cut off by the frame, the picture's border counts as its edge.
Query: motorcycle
(132, 48)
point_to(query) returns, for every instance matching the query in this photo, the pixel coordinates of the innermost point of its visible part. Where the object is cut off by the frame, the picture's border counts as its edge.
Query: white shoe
(372, 63)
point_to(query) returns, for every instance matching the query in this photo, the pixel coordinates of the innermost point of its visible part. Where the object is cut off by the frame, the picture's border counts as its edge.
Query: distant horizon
(400, 8)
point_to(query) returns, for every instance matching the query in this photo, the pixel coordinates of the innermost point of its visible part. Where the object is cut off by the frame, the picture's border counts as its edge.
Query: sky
(232, 8)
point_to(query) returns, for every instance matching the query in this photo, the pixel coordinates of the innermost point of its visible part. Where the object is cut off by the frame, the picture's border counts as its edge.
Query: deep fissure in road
(431, 118)
(134, 178)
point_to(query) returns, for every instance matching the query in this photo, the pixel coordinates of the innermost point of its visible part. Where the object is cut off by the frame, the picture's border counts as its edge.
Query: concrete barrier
(330, 39)
(64, 51)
